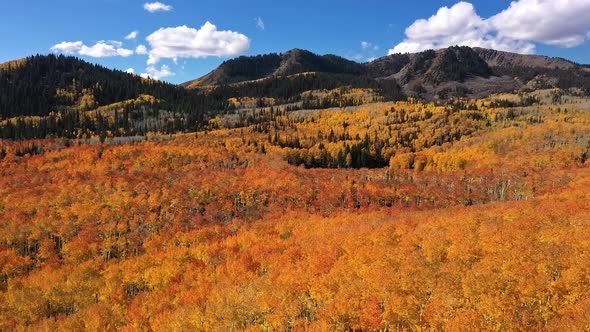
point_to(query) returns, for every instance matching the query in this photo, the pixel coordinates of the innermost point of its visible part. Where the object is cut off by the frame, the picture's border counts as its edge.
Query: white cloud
(554, 22)
(130, 71)
(156, 73)
(153, 7)
(259, 23)
(132, 35)
(185, 42)
(459, 19)
(458, 25)
(105, 49)
(365, 45)
(141, 49)
(99, 50)
(67, 47)
(115, 43)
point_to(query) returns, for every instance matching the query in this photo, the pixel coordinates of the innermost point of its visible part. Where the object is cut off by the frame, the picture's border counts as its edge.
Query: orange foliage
(209, 233)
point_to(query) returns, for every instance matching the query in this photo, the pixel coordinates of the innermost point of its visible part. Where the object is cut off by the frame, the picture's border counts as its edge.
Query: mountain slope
(450, 64)
(58, 96)
(295, 61)
(499, 58)
(42, 84)
(455, 63)
(477, 72)
(536, 71)
(454, 71)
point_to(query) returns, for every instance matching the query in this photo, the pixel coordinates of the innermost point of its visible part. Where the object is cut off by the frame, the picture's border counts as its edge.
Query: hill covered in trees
(468, 215)
(48, 95)
(39, 85)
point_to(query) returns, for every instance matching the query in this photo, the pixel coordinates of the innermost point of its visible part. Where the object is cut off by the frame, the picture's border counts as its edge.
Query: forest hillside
(468, 215)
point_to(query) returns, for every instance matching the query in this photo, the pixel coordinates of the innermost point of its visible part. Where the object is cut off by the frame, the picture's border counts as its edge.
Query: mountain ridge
(295, 61)
(424, 74)
(74, 98)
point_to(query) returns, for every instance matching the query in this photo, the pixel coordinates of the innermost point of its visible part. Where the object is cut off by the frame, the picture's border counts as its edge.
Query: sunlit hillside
(462, 215)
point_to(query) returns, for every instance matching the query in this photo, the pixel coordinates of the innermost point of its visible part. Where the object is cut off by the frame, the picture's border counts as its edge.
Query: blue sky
(95, 30)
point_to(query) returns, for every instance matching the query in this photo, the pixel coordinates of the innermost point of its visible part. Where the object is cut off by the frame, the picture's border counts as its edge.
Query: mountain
(501, 59)
(537, 71)
(57, 96)
(295, 61)
(41, 84)
(440, 74)
(455, 63)
(434, 67)
(67, 97)
(443, 73)
(47, 96)
(477, 72)
(450, 72)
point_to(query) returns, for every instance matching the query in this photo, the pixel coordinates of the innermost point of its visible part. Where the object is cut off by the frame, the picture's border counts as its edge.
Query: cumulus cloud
(153, 7)
(156, 73)
(458, 25)
(555, 22)
(67, 47)
(141, 49)
(130, 71)
(459, 19)
(259, 23)
(105, 49)
(132, 35)
(101, 49)
(186, 42)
